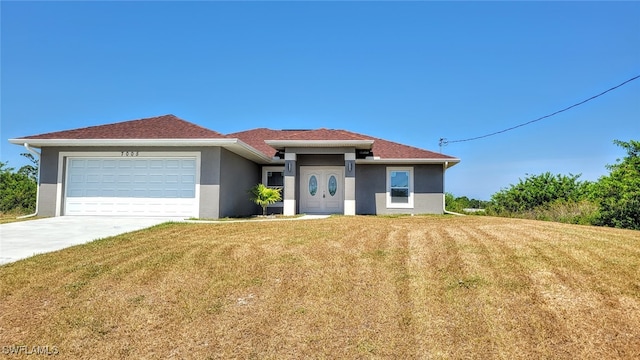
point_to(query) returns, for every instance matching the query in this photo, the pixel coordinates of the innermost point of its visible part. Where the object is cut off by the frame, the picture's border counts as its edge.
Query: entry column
(289, 195)
(350, 183)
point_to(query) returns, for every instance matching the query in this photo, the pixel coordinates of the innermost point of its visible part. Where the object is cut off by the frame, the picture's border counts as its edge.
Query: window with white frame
(273, 177)
(400, 187)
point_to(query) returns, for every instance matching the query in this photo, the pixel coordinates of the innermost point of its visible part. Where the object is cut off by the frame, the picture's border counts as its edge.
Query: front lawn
(428, 287)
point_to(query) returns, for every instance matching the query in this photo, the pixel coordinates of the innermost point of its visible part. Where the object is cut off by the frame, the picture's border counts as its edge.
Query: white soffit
(358, 144)
(123, 142)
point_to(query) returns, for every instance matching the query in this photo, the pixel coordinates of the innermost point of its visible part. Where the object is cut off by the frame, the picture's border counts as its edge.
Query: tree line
(613, 200)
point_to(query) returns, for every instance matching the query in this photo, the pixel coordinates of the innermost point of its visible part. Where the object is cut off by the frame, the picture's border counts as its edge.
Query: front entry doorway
(321, 190)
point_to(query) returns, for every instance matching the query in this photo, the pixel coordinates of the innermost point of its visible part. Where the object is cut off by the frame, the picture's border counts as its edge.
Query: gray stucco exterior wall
(371, 188)
(48, 182)
(370, 180)
(237, 176)
(429, 179)
(321, 160)
(210, 183)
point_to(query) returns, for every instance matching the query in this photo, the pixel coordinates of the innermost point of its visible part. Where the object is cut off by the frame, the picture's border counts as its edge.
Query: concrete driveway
(21, 240)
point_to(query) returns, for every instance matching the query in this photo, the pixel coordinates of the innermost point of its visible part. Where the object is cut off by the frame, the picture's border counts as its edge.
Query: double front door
(321, 190)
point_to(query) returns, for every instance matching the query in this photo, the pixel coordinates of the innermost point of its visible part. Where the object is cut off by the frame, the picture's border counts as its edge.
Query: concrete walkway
(20, 240)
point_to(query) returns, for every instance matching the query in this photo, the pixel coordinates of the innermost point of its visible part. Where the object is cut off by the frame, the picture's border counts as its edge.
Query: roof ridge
(190, 123)
(157, 127)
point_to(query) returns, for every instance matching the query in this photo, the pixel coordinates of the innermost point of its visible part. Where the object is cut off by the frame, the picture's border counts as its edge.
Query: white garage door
(138, 187)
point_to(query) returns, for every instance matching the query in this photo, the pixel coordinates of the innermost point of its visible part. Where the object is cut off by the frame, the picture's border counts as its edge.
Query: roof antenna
(443, 142)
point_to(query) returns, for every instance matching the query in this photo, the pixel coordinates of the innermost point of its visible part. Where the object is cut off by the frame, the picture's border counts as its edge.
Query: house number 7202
(129, 153)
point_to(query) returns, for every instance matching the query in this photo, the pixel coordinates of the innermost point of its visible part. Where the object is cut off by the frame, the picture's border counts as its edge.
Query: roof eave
(234, 145)
(247, 151)
(449, 162)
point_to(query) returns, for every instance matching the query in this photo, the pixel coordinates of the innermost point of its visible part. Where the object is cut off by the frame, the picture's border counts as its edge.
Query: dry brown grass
(346, 287)
(12, 216)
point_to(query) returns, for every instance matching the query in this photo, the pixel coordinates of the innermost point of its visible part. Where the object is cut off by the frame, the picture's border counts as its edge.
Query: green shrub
(264, 196)
(17, 190)
(620, 212)
(619, 192)
(538, 190)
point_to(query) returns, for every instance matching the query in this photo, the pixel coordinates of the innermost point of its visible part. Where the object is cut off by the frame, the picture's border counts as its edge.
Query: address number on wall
(129, 153)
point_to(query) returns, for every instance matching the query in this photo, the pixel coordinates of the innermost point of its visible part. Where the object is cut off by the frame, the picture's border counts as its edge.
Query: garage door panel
(141, 193)
(77, 164)
(155, 179)
(93, 178)
(124, 179)
(76, 179)
(93, 164)
(109, 192)
(187, 194)
(75, 193)
(92, 192)
(171, 179)
(188, 179)
(159, 193)
(151, 186)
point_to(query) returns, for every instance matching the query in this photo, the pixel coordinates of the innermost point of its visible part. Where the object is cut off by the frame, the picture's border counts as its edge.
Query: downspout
(37, 155)
(444, 197)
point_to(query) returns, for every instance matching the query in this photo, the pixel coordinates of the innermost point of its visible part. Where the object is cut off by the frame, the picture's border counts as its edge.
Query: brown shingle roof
(381, 148)
(256, 137)
(319, 134)
(160, 127)
(172, 127)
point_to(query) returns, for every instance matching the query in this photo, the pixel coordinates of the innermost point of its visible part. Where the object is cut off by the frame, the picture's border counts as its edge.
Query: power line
(445, 142)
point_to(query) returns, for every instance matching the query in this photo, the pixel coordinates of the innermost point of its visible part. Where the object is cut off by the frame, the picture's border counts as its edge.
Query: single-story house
(165, 166)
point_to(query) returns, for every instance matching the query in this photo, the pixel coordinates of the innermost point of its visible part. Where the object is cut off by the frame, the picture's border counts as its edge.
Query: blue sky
(410, 72)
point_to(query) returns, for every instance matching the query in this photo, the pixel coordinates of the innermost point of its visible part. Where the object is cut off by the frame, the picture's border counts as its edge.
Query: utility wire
(445, 142)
